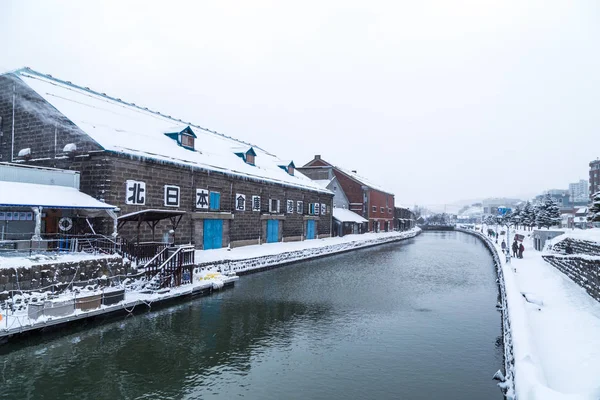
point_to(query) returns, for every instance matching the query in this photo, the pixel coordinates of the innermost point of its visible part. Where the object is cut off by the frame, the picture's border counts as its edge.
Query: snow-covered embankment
(248, 259)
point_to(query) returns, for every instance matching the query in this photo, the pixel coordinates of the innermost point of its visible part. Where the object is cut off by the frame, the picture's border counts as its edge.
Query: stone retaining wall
(579, 246)
(57, 273)
(583, 270)
(508, 386)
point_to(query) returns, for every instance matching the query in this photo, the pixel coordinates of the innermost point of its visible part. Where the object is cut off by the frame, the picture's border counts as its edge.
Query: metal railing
(92, 244)
(176, 268)
(140, 253)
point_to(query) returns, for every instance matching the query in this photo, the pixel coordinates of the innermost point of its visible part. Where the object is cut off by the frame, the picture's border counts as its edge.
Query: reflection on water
(412, 320)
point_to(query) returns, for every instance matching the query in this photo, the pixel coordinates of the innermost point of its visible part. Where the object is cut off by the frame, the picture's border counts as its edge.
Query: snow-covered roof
(363, 180)
(323, 182)
(344, 215)
(125, 128)
(18, 194)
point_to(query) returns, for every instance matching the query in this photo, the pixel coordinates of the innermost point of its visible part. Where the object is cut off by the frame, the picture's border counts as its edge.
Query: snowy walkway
(556, 334)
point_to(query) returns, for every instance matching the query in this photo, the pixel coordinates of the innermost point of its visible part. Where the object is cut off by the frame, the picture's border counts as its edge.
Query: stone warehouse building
(163, 174)
(364, 198)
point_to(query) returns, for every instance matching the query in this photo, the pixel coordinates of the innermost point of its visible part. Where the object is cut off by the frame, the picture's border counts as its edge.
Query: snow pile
(590, 235)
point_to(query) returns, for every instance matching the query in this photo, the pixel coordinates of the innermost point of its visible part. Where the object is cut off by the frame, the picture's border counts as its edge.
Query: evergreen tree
(528, 215)
(548, 213)
(515, 217)
(594, 210)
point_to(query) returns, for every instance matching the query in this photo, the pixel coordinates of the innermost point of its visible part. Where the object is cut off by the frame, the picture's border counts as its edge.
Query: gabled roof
(126, 128)
(352, 175)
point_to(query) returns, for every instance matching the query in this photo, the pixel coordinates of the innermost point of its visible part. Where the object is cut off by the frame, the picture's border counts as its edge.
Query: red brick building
(365, 198)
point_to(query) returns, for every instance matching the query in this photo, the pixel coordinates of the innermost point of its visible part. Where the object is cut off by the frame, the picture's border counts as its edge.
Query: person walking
(521, 250)
(503, 245)
(515, 248)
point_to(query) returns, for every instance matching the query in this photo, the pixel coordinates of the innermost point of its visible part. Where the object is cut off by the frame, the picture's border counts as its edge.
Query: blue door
(272, 231)
(213, 234)
(310, 229)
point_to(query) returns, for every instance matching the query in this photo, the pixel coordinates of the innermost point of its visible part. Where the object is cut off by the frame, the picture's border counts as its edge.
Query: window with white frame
(274, 205)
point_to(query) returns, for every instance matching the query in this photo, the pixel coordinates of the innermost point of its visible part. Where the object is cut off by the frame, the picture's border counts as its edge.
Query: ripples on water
(411, 320)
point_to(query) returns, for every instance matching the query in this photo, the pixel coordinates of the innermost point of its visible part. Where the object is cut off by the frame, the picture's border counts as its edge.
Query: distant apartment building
(594, 176)
(579, 190)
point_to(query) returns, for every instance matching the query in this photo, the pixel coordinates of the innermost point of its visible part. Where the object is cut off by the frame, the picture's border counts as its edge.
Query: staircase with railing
(171, 267)
(140, 253)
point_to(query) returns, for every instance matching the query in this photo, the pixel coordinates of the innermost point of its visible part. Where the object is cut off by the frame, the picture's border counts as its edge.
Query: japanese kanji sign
(135, 192)
(171, 196)
(300, 207)
(323, 209)
(240, 202)
(255, 203)
(290, 206)
(202, 198)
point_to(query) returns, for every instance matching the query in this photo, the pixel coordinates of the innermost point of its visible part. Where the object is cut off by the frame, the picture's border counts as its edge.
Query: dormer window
(187, 141)
(184, 137)
(288, 166)
(246, 153)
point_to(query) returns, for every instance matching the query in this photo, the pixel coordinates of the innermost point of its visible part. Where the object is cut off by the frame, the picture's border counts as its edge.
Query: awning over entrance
(17, 194)
(151, 217)
(344, 215)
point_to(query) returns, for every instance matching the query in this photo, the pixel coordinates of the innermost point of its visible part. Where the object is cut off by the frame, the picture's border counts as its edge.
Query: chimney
(354, 171)
(317, 157)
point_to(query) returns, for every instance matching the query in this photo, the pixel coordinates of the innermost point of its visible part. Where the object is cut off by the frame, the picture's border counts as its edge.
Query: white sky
(436, 100)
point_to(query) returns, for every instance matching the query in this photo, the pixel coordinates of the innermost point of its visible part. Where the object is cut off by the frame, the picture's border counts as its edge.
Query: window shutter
(270, 205)
(278, 205)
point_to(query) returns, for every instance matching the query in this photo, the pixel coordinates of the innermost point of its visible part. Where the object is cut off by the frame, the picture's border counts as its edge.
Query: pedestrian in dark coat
(515, 248)
(503, 246)
(569, 249)
(521, 250)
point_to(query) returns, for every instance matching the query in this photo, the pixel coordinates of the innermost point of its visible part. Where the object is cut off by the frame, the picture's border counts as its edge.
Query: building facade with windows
(166, 176)
(594, 177)
(365, 198)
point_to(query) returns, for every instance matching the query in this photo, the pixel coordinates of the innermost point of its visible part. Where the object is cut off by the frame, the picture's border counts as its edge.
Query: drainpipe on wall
(12, 151)
(37, 235)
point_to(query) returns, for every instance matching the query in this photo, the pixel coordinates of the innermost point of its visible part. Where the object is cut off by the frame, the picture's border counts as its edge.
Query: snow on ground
(269, 249)
(47, 258)
(556, 338)
(591, 235)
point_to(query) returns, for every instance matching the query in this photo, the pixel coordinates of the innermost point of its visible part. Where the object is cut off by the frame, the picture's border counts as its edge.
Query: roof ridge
(28, 70)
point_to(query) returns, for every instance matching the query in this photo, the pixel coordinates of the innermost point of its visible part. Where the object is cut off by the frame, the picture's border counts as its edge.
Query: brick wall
(38, 125)
(579, 247)
(353, 191)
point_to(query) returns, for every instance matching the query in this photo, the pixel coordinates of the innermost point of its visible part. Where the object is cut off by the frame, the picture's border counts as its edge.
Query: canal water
(408, 320)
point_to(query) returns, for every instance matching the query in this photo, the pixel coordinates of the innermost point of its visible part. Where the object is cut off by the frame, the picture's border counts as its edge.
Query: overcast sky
(436, 100)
